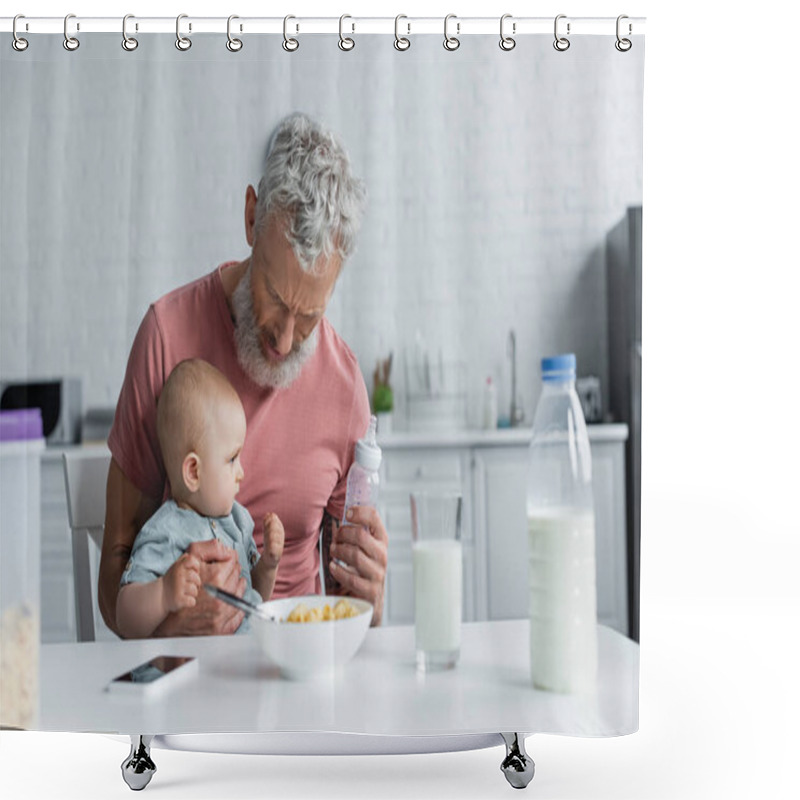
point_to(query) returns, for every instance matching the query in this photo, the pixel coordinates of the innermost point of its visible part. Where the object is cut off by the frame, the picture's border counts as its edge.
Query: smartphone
(155, 675)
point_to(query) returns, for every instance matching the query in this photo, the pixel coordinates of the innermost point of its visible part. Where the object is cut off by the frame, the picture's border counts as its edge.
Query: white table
(239, 703)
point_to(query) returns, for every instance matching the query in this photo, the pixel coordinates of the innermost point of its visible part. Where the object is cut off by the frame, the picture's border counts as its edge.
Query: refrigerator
(624, 287)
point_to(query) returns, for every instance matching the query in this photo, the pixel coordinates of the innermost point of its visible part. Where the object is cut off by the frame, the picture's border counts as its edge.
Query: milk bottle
(561, 538)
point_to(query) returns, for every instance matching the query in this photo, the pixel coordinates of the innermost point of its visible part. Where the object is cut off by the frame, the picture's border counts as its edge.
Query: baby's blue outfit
(170, 531)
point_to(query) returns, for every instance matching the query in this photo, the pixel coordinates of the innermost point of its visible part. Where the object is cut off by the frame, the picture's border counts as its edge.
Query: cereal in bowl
(342, 610)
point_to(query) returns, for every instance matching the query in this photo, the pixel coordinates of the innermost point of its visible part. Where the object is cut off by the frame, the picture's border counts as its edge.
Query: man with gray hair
(262, 323)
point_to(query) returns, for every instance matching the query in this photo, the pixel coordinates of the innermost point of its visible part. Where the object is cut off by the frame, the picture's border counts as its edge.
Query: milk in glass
(437, 595)
(436, 558)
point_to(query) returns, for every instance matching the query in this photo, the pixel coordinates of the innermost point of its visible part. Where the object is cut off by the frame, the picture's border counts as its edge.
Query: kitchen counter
(499, 437)
(54, 452)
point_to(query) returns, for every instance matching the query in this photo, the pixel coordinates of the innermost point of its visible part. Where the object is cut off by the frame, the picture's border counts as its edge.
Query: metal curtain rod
(459, 26)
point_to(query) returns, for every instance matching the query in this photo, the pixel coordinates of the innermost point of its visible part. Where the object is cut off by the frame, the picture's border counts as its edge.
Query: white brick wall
(493, 178)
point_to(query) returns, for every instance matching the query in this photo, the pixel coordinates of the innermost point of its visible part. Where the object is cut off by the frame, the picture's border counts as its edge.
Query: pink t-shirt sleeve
(359, 422)
(133, 440)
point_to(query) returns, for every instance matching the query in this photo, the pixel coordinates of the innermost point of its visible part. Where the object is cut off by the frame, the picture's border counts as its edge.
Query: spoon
(240, 603)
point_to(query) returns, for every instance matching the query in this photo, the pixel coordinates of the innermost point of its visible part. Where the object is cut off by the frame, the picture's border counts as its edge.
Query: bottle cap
(368, 454)
(559, 368)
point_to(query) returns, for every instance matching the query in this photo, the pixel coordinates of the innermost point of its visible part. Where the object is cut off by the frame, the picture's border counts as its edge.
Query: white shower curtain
(493, 179)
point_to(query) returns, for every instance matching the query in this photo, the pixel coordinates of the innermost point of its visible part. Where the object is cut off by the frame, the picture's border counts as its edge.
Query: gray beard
(248, 344)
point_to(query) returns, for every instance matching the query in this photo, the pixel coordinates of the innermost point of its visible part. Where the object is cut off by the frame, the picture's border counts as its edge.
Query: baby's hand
(273, 540)
(182, 583)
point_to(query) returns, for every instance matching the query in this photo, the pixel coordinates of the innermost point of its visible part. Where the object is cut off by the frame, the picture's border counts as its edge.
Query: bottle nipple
(372, 430)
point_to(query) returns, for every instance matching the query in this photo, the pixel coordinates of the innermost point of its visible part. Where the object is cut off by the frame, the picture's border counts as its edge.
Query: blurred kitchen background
(504, 205)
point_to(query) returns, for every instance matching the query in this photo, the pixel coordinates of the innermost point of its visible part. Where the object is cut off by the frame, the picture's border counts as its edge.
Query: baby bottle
(363, 478)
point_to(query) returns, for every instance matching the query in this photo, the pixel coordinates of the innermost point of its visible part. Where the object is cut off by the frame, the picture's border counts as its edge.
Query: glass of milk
(438, 578)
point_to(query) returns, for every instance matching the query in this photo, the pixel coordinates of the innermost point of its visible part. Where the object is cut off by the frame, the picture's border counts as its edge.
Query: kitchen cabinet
(499, 486)
(490, 470)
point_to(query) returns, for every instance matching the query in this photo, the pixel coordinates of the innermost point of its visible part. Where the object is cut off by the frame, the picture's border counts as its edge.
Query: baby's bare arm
(263, 578)
(142, 607)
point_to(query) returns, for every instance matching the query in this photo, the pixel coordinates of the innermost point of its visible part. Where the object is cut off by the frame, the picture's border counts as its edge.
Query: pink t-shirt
(300, 441)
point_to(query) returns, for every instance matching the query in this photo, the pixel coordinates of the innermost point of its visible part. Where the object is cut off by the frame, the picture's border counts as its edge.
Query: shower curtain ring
(623, 45)
(70, 42)
(400, 42)
(289, 45)
(451, 42)
(233, 44)
(345, 42)
(183, 43)
(507, 42)
(561, 43)
(19, 44)
(128, 42)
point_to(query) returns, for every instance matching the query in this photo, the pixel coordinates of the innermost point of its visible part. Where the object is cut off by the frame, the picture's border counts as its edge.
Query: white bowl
(307, 649)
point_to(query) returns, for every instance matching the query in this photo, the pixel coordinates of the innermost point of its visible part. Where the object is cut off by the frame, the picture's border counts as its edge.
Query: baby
(201, 429)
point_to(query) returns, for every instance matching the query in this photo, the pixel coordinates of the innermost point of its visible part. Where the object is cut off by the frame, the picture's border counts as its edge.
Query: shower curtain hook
(70, 42)
(183, 43)
(507, 42)
(400, 42)
(289, 45)
(128, 42)
(345, 42)
(623, 45)
(561, 43)
(451, 42)
(233, 44)
(19, 44)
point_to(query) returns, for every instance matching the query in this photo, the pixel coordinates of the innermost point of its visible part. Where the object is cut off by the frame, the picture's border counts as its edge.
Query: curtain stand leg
(517, 766)
(138, 768)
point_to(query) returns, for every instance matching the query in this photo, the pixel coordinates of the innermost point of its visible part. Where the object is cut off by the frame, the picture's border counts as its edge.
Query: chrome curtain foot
(138, 768)
(517, 766)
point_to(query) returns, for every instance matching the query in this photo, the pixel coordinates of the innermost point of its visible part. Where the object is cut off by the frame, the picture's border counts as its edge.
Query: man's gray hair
(307, 176)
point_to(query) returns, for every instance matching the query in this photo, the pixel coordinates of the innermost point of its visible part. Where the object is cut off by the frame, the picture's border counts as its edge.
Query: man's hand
(362, 545)
(219, 566)
(182, 583)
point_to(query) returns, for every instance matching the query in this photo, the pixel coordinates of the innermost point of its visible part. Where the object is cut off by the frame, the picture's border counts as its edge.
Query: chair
(85, 474)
